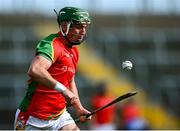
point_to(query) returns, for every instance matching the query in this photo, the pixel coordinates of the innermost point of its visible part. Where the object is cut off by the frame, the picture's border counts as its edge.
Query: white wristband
(59, 87)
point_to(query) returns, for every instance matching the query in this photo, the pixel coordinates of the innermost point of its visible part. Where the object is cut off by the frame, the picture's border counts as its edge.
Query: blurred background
(146, 32)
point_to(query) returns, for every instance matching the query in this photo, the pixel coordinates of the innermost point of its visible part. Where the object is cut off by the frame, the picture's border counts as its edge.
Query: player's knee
(70, 127)
(76, 128)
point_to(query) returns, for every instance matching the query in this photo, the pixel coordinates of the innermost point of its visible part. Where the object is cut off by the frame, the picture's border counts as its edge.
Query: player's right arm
(45, 56)
(38, 71)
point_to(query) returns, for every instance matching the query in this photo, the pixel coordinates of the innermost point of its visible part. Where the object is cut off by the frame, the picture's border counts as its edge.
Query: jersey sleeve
(46, 48)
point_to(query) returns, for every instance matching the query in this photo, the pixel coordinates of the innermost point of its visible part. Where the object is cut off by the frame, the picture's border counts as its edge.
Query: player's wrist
(60, 87)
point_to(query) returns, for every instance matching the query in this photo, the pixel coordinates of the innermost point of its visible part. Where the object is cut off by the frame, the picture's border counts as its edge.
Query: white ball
(127, 65)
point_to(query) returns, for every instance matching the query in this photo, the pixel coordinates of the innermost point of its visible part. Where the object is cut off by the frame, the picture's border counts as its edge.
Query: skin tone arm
(77, 104)
(38, 72)
(73, 88)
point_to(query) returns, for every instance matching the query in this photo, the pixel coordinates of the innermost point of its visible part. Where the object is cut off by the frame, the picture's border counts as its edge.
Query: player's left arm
(74, 90)
(77, 103)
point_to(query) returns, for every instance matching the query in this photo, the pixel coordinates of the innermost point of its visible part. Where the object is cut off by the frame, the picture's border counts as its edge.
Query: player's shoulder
(50, 37)
(48, 40)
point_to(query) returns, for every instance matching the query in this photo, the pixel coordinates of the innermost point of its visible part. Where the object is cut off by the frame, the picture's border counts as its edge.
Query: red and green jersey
(43, 102)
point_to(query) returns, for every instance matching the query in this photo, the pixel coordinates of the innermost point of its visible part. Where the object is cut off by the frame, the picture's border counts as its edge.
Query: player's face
(77, 32)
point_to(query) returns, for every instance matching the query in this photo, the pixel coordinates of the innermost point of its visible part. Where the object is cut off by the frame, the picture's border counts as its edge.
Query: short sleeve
(45, 49)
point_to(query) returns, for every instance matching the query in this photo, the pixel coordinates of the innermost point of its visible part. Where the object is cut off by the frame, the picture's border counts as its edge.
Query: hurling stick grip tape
(109, 104)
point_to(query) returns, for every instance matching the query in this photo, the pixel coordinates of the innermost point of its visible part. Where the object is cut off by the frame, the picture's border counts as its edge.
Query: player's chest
(67, 58)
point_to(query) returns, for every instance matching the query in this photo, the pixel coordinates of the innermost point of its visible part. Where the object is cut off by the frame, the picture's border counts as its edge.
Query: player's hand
(70, 97)
(82, 113)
